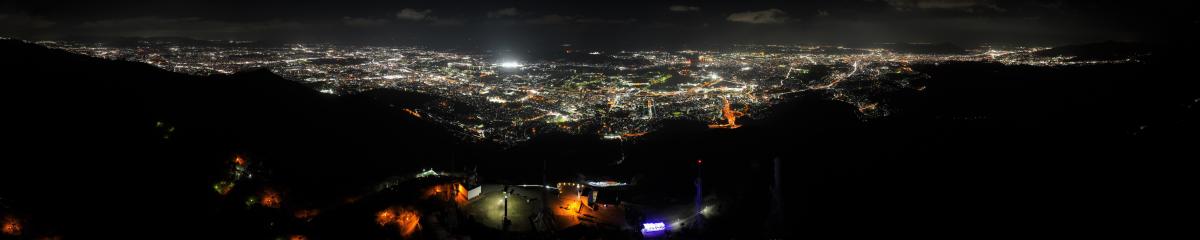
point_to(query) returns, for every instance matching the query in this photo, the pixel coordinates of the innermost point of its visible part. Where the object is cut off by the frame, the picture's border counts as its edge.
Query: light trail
(730, 116)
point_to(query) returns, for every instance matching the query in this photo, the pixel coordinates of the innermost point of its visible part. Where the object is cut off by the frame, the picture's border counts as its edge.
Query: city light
(560, 120)
(730, 116)
(606, 184)
(509, 105)
(511, 64)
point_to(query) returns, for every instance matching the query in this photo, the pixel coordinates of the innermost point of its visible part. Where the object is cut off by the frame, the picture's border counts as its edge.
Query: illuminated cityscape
(590, 119)
(616, 95)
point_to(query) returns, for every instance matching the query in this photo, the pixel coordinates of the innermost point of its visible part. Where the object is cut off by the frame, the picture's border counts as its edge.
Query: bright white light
(554, 117)
(606, 184)
(496, 100)
(511, 64)
(653, 227)
(427, 173)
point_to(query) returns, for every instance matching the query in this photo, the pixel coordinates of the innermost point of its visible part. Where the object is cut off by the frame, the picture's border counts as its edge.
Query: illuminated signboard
(653, 228)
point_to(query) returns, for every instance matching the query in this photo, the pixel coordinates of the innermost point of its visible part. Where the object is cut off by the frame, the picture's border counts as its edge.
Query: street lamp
(506, 223)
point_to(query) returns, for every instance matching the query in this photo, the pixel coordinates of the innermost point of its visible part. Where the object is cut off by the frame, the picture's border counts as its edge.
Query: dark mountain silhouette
(984, 149)
(84, 131)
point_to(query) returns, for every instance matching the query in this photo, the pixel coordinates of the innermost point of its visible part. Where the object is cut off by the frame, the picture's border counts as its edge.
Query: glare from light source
(653, 227)
(406, 219)
(511, 64)
(12, 226)
(606, 183)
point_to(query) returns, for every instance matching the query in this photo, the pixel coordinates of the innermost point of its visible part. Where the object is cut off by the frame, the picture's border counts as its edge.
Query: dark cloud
(413, 14)
(364, 22)
(683, 8)
(968, 6)
(426, 15)
(941, 4)
(614, 21)
(769, 16)
(551, 19)
(506, 12)
(448, 22)
(606, 21)
(20, 24)
(11, 21)
(189, 26)
(556, 19)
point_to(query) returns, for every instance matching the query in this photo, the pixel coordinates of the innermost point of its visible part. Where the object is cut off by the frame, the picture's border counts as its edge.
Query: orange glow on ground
(637, 134)
(270, 199)
(12, 226)
(569, 205)
(407, 220)
(384, 217)
(237, 159)
(570, 208)
(435, 191)
(306, 214)
(414, 113)
(461, 197)
(730, 116)
(448, 192)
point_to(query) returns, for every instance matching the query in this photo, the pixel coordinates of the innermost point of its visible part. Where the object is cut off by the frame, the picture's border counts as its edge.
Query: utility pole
(699, 201)
(506, 223)
(775, 219)
(545, 216)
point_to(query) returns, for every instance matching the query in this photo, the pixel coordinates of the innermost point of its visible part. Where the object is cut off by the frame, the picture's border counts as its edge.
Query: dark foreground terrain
(110, 149)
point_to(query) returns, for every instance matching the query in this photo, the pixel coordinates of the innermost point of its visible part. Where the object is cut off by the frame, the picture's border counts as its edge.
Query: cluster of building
(617, 95)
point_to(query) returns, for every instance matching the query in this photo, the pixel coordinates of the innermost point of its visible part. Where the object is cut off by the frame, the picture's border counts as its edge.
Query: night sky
(607, 23)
